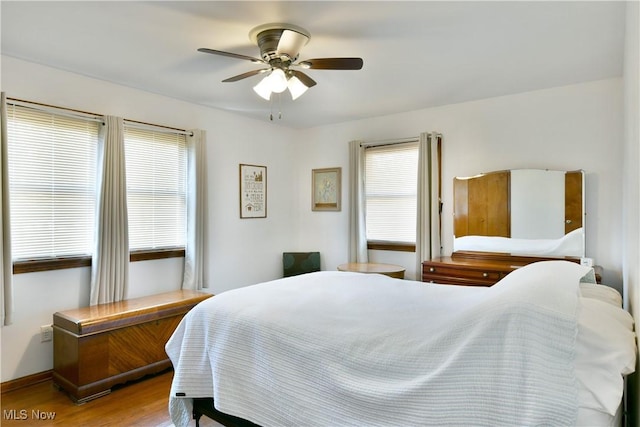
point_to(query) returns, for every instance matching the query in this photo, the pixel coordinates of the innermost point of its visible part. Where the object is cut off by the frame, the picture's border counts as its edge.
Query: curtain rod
(67, 112)
(86, 115)
(159, 128)
(384, 142)
(389, 142)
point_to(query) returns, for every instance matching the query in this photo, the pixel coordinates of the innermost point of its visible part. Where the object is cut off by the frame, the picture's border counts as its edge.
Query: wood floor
(143, 403)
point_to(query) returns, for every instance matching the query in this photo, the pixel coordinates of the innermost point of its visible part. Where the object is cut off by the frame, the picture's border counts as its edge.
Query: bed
(544, 346)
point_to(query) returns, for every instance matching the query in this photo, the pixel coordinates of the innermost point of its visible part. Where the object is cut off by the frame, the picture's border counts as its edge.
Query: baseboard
(11, 385)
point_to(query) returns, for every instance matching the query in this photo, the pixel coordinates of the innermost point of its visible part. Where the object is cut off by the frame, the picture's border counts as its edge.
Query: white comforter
(339, 348)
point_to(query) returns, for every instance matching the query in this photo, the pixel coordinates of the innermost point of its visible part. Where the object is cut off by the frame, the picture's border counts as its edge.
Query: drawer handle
(485, 274)
(431, 269)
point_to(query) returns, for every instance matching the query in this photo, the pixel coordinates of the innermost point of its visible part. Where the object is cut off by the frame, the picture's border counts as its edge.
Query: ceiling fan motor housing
(268, 43)
(270, 40)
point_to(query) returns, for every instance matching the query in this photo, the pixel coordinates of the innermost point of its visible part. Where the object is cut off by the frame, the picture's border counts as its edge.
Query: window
(52, 179)
(52, 175)
(156, 189)
(391, 179)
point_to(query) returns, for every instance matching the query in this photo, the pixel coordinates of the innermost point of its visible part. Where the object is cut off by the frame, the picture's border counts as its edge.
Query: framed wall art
(326, 185)
(253, 191)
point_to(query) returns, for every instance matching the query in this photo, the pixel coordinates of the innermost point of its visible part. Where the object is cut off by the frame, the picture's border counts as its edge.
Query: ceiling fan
(280, 46)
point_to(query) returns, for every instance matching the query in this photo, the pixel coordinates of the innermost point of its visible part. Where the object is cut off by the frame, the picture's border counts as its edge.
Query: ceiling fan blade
(306, 80)
(332, 63)
(231, 55)
(245, 75)
(290, 43)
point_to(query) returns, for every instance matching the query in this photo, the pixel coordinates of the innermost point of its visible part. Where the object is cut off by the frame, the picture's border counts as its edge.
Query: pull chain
(279, 107)
(271, 108)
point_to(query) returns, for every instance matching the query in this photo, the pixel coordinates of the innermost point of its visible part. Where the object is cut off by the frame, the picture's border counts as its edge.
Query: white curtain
(6, 268)
(357, 207)
(195, 248)
(428, 244)
(110, 263)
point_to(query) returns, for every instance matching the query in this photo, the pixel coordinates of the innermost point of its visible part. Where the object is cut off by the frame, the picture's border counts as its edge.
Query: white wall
(566, 128)
(631, 200)
(241, 252)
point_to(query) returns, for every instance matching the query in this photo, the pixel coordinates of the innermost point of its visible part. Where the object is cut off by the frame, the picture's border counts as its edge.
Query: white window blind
(156, 188)
(52, 168)
(391, 179)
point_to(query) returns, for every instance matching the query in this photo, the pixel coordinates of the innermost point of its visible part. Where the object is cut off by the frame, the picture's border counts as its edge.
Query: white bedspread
(349, 349)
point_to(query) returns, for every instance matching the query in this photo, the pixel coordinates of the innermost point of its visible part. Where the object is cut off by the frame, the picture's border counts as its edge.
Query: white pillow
(601, 292)
(605, 352)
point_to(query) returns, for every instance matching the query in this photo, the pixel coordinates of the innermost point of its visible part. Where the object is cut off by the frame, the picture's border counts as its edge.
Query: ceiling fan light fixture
(296, 87)
(278, 80)
(263, 89)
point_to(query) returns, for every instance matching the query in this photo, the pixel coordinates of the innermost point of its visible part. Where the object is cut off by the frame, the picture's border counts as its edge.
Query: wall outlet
(46, 333)
(587, 262)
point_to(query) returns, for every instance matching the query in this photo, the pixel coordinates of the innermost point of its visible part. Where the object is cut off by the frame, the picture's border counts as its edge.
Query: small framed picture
(253, 191)
(325, 185)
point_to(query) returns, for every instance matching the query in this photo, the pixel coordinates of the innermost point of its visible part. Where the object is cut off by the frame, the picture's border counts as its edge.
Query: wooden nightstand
(391, 270)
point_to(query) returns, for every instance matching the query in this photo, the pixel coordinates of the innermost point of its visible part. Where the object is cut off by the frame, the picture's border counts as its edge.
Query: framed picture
(253, 191)
(326, 189)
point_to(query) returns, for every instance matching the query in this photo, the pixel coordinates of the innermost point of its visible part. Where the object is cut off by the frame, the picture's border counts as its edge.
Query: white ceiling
(416, 54)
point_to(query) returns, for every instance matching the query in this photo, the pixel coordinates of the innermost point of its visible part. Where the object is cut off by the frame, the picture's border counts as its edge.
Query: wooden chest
(97, 347)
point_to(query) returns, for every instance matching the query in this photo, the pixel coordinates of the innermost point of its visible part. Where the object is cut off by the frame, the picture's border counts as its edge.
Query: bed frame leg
(196, 416)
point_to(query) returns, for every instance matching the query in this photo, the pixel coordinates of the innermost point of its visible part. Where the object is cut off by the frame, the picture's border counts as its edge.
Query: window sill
(391, 246)
(32, 266)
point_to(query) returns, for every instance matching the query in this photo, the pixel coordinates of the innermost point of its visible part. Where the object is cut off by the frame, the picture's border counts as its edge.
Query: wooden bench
(96, 347)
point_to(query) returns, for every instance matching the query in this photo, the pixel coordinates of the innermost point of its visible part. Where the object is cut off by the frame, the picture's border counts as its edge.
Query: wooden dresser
(478, 269)
(97, 347)
(448, 270)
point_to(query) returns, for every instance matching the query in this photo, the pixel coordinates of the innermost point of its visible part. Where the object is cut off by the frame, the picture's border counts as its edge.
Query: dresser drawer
(446, 270)
(474, 270)
(462, 273)
(456, 280)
